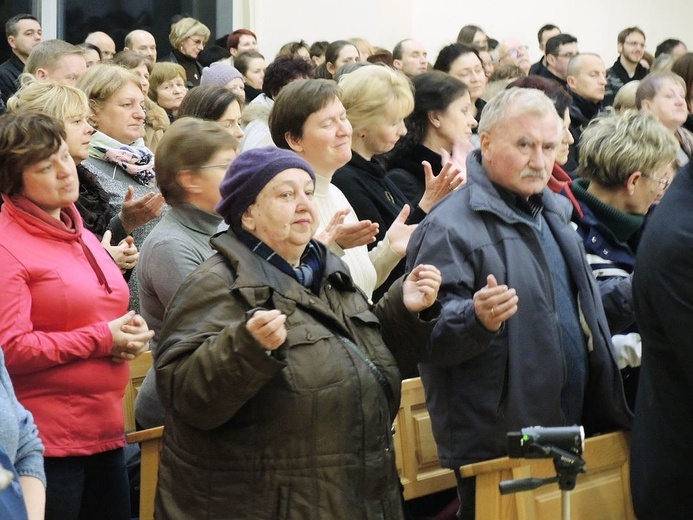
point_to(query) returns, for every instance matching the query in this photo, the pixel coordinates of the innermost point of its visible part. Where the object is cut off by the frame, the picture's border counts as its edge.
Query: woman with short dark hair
(464, 63)
(194, 157)
(66, 330)
(251, 64)
(214, 103)
(338, 53)
(308, 117)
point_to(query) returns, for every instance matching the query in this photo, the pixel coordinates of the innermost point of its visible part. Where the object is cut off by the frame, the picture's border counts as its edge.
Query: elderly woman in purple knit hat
(224, 74)
(275, 372)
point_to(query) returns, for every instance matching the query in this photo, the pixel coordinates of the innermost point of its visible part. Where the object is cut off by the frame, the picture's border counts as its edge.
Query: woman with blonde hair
(167, 87)
(364, 47)
(377, 99)
(117, 153)
(188, 37)
(69, 106)
(156, 121)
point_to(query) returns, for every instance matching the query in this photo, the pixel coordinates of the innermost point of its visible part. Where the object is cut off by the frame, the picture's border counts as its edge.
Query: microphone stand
(567, 465)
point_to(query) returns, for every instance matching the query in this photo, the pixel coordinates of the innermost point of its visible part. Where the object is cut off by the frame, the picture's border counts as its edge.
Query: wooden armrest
(145, 435)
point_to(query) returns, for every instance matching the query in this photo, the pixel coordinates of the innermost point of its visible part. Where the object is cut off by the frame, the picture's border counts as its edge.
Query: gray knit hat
(249, 173)
(219, 73)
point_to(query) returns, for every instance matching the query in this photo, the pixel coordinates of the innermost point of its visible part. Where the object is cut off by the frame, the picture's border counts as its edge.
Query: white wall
(436, 22)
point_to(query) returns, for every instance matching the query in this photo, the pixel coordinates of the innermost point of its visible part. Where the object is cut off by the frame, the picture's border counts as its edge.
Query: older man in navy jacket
(523, 338)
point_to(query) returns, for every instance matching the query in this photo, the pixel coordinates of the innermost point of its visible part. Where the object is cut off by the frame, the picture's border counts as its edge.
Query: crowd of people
(291, 237)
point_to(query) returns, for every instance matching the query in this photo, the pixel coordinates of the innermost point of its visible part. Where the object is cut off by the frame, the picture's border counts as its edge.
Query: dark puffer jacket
(303, 433)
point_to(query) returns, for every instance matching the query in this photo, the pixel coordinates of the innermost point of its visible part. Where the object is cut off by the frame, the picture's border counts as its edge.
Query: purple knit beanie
(219, 73)
(249, 173)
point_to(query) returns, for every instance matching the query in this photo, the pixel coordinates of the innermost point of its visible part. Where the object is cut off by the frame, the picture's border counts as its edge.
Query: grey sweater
(175, 247)
(18, 433)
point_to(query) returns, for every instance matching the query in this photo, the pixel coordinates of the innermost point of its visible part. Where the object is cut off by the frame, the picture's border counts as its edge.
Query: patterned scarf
(136, 159)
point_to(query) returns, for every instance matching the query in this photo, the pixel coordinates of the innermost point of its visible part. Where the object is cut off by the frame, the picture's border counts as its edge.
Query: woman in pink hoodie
(65, 328)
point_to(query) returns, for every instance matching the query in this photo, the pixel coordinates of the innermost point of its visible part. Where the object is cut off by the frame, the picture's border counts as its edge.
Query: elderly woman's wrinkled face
(170, 94)
(284, 215)
(52, 184)
(122, 116)
(236, 86)
(193, 45)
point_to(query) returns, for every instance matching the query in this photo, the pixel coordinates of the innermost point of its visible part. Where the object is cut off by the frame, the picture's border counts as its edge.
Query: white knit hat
(219, 73)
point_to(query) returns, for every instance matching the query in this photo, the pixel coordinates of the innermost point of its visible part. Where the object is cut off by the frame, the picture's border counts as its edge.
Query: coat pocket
(315, 357)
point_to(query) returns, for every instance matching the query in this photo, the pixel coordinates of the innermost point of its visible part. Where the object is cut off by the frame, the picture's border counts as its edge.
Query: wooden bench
(415, 447)
(138, 369)
(603, 493)
(150, 444)
(415, 450)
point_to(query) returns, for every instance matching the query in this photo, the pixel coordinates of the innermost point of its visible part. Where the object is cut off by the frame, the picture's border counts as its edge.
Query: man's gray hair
(522, 101)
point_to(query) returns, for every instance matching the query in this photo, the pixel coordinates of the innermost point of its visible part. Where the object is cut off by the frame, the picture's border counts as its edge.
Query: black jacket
(193, 68)
(375, 198)
(582, 111)
(9, 72)
(660, 449)
(617, 76)
(544, 72)
(407, 172)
